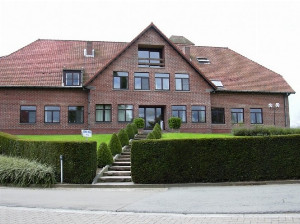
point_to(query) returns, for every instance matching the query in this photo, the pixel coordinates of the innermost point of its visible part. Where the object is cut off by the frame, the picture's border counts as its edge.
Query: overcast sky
(265, 31)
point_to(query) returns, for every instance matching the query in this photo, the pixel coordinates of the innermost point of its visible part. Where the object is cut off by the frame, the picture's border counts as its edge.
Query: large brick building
(54, 86)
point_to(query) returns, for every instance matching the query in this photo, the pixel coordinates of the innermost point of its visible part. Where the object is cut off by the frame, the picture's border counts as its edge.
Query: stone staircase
(120, 170)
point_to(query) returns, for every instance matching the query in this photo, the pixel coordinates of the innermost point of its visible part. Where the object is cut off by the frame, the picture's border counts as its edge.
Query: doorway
(151, 115)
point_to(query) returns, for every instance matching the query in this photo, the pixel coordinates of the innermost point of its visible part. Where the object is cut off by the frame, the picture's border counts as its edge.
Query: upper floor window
(141, 81)
(75, 115)
(28, 114)
(182, 82)
(162, 81)
(198, 114)
(217, 116)
(52, 114)
(151, 57)
(256, 116)
(120, 80)
(237, 116)
(72, 78)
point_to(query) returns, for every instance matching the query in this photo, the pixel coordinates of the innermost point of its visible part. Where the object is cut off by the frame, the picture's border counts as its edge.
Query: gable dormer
(72, 78)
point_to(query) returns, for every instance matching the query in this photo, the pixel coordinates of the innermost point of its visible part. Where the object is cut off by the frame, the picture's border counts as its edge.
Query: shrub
(135, 129)
(174, 122)
(151, 135)
(22, 172)
(140, 122)
(104, 156)
(158, 130)
(216, 160)
(115, 145)
(123, 137)
(80, 158)
(130, 131)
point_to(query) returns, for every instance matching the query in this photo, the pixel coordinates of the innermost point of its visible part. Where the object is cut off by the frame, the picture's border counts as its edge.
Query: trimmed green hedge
(260, 130)
(22, 172)
(216, 160)
(80, 158)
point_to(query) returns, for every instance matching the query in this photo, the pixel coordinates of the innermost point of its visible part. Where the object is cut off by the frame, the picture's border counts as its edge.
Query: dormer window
(203, 60)
(151, 57)
(72, 78)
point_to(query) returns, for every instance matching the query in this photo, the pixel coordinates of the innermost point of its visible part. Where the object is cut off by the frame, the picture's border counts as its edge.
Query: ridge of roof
(96, 41)
(167, 40)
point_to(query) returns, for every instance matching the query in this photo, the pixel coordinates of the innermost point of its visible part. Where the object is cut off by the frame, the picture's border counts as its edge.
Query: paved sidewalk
(17, 215)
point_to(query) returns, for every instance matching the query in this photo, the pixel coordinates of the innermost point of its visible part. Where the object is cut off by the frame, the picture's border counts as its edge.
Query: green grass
(99, 138)
(194, 135)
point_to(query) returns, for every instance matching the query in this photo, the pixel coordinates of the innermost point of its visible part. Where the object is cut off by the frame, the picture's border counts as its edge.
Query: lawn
(194, 135)
(99, 138)
(106, 137)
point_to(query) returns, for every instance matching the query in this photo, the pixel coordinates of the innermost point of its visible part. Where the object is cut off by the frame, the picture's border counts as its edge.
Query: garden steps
(120, 170)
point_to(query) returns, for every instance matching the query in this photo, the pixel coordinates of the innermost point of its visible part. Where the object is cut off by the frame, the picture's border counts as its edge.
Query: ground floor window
(237, 116)
(256, 116)
(103, 112)
(198, 114)
(217, 116)
(52, 114)
(28, 114)
(179, 111)
(75, 114)
(125, 113)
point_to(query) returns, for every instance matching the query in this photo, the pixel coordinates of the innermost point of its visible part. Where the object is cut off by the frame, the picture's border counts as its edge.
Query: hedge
(80, 158)
(216, 160)
(259, 130)
(22, 172)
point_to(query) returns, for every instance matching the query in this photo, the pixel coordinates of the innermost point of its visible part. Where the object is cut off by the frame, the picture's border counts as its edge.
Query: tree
(123, 137)
(130, 131)
(115, 145)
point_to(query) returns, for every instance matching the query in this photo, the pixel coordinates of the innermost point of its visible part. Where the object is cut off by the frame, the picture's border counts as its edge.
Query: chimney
(187, 51)
(89, 51)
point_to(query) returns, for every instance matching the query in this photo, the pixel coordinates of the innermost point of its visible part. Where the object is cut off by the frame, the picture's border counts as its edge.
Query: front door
(151, 115)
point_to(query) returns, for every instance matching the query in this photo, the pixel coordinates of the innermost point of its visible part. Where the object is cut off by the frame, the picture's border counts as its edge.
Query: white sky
(265, 31)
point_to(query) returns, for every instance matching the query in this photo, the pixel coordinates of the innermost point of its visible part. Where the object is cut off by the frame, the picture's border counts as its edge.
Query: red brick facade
(100, 91)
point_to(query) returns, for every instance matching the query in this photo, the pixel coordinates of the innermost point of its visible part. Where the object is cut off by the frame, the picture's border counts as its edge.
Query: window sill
(121, 89)
(145, 90)
(102, 122)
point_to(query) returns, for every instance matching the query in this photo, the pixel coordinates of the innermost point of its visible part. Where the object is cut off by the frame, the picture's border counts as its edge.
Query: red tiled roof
(236, 72)
(40, 64)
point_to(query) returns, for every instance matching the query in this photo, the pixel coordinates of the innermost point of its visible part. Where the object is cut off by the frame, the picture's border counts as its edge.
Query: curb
(133, 185)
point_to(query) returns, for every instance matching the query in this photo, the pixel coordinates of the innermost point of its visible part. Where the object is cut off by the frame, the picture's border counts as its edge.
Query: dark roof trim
(167, 40)
(248, 91)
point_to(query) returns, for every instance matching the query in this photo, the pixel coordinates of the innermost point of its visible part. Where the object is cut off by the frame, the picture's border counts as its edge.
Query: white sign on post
(86, 133)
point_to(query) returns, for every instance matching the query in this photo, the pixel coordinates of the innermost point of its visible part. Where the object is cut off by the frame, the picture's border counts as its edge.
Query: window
(151, 57)
(217, 116)
(72, 78)
(198, 114)
(256, 116)
(52, 114)
(125, 113)
(75, 115)
(203, 61)
(103, 112)
(179, 111)
(162, 81)
(182, 82)
(237, 116)
(141, 81)
(28, 114)
(120, 80)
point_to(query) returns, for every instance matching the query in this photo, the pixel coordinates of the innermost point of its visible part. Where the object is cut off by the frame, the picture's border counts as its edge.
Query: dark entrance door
(151, 115)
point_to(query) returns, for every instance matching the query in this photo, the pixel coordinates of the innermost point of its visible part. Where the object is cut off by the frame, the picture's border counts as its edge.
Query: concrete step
(117, 173)
(122, 159)
(115, 179)
(125, 153)
(122, 163)
(119, 168)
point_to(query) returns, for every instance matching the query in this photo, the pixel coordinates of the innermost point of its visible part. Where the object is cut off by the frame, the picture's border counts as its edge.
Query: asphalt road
(260, 199)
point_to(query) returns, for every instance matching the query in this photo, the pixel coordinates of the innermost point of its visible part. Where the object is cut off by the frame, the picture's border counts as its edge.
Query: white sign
(86, 133)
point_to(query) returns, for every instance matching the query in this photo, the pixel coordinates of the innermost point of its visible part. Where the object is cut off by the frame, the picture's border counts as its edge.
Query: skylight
(217, 83)
(203, 60)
